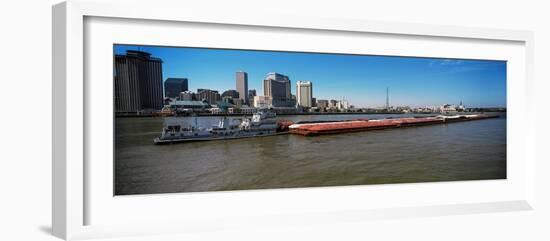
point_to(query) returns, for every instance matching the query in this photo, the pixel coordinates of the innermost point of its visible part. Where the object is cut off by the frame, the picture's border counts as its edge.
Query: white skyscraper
(304, 93)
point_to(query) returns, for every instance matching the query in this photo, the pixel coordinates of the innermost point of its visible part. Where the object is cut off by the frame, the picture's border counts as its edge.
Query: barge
(264, 124)
(336, 127)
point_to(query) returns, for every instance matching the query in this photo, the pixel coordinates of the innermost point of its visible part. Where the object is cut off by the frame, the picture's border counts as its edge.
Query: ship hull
(159, 141)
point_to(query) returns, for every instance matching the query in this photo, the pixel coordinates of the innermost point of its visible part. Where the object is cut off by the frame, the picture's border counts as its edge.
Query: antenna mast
(387, 98)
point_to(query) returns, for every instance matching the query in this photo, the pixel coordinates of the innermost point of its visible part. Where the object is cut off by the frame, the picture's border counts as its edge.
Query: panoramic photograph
(189, 119)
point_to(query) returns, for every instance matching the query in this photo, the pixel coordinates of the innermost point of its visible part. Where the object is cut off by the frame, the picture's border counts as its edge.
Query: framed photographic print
(167, 123)
(340, 104)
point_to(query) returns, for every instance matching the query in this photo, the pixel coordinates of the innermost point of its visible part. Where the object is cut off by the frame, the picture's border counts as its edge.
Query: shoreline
(303, 114)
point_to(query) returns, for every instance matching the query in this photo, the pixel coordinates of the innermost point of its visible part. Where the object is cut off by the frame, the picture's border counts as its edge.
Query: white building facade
(304, 93)
(263, 101)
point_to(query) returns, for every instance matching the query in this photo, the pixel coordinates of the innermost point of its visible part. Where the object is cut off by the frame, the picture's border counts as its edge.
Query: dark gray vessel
(262, 123)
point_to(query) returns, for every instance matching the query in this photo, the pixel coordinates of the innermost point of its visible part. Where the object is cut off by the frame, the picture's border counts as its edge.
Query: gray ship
(262, 123)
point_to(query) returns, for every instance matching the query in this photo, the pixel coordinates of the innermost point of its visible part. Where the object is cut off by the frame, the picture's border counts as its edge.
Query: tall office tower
(138, 82)
(304, 93)
(174, 86)
(277, 86)
(211, 96)
(241, 81)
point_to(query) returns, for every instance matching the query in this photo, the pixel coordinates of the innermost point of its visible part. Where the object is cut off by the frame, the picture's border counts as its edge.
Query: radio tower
(387, 98)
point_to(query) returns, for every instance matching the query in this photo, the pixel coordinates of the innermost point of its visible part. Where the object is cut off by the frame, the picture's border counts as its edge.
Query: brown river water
(474, 150)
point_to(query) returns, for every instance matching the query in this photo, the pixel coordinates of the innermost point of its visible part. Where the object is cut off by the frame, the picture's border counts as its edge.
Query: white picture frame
(72, 190)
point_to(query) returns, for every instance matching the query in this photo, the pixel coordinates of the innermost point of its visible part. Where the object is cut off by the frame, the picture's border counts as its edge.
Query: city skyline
(360, 79)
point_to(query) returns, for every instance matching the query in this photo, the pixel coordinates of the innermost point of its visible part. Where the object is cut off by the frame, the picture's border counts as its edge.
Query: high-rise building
(174, 86)
(304, 93)
(277, 86)
(138, 82)
(251, 94)
(241, 79)
(210, 96)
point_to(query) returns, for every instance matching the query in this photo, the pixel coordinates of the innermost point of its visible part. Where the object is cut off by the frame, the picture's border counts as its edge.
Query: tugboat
(262, 123)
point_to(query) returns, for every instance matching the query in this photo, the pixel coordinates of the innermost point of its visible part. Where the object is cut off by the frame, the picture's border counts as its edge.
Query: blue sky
(361, 79)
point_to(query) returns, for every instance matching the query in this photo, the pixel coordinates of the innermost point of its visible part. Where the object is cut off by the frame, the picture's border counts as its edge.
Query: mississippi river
(474, 150)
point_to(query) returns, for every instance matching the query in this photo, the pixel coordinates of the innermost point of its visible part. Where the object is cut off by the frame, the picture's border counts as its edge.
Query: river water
(474, 150)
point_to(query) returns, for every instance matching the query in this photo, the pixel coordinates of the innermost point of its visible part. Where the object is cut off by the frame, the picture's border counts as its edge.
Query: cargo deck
(325, 128)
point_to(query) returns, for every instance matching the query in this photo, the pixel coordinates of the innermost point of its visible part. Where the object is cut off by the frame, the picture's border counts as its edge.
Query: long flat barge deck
(325, 128)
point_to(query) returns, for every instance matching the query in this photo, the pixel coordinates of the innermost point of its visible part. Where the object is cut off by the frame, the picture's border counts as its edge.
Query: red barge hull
(326, 128)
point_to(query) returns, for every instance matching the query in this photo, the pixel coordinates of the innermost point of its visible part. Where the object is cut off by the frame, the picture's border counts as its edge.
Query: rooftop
(189, 103)
(175, 79)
